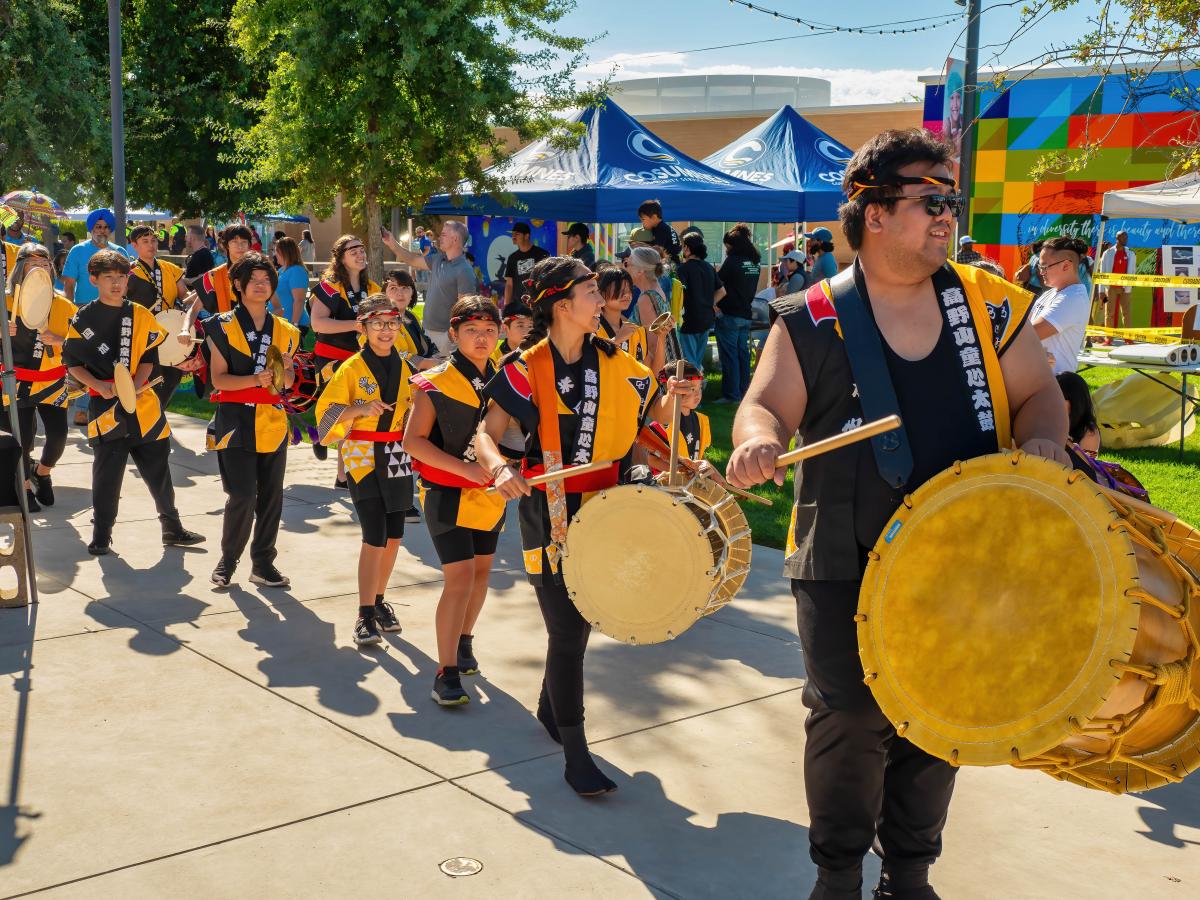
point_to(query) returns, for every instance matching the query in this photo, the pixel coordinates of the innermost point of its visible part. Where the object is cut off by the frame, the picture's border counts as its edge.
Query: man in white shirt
(1060, 315)
(1121, 259)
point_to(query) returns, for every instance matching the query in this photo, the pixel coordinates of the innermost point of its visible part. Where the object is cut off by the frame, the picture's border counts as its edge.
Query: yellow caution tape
(1134, 280)
(1138, 335)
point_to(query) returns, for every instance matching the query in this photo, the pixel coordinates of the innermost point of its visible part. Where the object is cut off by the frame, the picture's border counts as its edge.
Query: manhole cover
(461, 866)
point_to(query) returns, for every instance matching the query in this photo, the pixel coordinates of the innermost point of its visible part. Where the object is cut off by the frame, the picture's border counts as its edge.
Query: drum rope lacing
(1172, 680)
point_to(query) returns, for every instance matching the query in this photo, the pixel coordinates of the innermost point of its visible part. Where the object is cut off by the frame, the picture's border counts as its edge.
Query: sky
(664, 38)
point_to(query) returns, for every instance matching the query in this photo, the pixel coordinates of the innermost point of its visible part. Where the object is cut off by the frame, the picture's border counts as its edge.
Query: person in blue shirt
(820, 248)
(293, 284)
(15, 232)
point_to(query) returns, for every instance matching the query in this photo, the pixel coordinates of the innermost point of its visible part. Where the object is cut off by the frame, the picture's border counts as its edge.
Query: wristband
(496, 470)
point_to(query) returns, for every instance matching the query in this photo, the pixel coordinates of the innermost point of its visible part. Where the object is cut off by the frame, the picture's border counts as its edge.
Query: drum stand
(27, 574)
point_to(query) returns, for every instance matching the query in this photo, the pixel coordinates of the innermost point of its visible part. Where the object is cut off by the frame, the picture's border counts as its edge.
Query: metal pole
(118, 118)
(971, 110)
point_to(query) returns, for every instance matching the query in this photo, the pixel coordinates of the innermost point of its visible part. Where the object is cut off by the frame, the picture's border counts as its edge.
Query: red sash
(260, 395)
(37, 374)
(379, 437)
(577, 484)
(434, 475)
(93, 393)
(331, 352)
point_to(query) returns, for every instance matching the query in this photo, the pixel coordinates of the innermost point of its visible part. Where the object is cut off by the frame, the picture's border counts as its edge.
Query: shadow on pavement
(1165, 809)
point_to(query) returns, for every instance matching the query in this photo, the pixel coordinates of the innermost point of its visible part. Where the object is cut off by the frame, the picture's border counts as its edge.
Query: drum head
(638, 565)
(35, 296)
(989, 618)
(170, 351)
(123, 386)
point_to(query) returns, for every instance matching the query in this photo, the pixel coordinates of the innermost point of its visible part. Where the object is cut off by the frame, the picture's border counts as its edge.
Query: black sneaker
(341, 484)
(31, 501)
(320, 451)
(45, 489)
(366, 631)
(467, 663)
(269, 576)
(99, 547)
(413, 515)
(385, 617)
(182, 538)
(448, 689)
(223, 573)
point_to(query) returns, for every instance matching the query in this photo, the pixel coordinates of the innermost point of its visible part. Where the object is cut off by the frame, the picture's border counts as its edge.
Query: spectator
(15, 232)
(210, 236)
(520, 262)
(820, 248)
(1027, 276)
(77, 285)
(1081, 415)
(60, 260)
(1119, 259)
(451, 277)
(989, 265)
(66, 243)
(200, 258)
(967, 253)
(163, 236)
(579, 244)
(644, 266)
(795, 278)
(255, 240)
(701, 291)
(1060, 315)
(663, 235)
(308, 250)
(178, 238)
(739, 276)
(293, 284)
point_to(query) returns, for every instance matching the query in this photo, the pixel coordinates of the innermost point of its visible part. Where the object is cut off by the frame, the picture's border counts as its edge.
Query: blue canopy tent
(616, 166)
(791, 156)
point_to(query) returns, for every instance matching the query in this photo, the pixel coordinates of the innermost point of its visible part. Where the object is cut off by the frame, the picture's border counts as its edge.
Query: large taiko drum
(644, 562)
(1015, 612)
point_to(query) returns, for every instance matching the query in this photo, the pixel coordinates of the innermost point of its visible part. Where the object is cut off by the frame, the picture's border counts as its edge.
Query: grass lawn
(1173, 485)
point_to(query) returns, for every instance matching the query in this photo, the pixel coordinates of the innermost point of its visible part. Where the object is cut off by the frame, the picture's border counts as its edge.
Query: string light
(888, 28)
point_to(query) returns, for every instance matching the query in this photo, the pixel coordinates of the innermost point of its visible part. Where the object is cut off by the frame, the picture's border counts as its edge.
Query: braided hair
(553, 274)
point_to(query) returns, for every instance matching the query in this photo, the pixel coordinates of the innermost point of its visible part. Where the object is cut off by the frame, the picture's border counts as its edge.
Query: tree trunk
(374, 217)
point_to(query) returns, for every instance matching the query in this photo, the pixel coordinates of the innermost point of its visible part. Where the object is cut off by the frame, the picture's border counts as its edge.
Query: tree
(53, 127)
(386, 102)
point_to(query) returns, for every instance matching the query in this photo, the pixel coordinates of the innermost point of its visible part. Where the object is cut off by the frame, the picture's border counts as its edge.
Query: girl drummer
(362, 410)
(411, 339)
(577, 399)
(616, 287)
(334, 311)
(41, 377)
(463, 519)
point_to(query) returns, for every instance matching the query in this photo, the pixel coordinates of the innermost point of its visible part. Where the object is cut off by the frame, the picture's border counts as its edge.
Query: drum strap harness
(893, 455)
(155, 276)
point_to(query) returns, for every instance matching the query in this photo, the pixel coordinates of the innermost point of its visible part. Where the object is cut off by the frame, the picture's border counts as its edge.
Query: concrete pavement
(162, 739)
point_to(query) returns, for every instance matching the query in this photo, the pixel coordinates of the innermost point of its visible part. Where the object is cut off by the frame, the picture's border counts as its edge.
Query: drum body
(643, 562)
(305, 390)
(1015, 612)
(171, 352)
(34, 298)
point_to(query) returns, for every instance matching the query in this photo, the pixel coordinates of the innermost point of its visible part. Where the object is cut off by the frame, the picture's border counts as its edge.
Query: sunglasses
(936, 204)
(1046, 267)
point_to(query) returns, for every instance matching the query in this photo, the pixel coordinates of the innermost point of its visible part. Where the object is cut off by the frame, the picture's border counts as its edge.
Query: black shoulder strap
(876, 394)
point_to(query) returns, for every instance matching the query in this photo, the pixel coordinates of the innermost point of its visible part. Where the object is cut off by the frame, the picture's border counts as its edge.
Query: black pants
(108, 471)
(863, 781)
(377, 524)
(171, 377)
(54, 423)
(253, 484)
(567, 636)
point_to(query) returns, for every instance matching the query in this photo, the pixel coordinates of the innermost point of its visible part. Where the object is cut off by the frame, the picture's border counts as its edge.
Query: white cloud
(848, 86)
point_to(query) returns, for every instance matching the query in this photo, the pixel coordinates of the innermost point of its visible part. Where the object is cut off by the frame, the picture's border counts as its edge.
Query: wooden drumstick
(151, 383)
(692, 466)
(854, 435)
(570, 472)
(676, 415)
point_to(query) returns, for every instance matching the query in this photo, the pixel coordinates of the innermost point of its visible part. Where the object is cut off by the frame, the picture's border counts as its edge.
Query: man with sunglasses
(944, 345)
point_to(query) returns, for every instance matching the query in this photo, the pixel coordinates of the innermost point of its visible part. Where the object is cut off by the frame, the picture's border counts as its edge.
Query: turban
(97, 214)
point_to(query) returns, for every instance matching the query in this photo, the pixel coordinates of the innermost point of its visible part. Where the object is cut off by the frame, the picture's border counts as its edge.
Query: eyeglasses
(383, 324)
(935, 204)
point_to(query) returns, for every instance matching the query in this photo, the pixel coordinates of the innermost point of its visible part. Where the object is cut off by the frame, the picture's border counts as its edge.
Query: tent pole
(1096, 270)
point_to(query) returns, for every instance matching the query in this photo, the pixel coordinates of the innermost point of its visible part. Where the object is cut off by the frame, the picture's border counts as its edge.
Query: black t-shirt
(520, 264)
(199, 262)
(699, 280)
(739, 275)
(666, 237)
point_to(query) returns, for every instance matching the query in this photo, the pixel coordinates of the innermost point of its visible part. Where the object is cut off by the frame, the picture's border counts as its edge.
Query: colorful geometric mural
(1137, 125)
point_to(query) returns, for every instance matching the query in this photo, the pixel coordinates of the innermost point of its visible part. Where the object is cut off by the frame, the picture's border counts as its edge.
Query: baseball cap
(819, 234)
(579, 230)
(796, 256)
(522, 227)
(641, 236)
(965, 239)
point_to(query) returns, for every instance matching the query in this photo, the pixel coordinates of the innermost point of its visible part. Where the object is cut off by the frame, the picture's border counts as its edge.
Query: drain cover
(461, 866)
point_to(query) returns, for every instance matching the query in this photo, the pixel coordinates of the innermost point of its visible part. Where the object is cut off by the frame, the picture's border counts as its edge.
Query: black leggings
(54, 423)
(378, 525)
(567, 633)
(460, 544)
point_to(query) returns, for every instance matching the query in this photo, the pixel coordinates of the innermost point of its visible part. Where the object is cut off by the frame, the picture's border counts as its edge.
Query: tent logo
(544, 153)
(744, 154)
(648, 148)
(832, 152)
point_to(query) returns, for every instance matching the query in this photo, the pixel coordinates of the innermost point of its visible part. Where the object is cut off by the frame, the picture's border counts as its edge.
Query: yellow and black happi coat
(456, 390)
(376, 464)
(157, 287)
(953, 404)
(10, 260)
(40, 372)
(571, 414)
(251, 418)
(100, 336)
(332, 350)
(635, 345)
(695, 436)
(502, 350)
